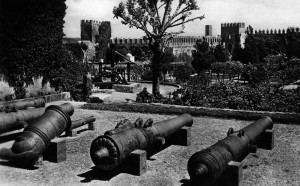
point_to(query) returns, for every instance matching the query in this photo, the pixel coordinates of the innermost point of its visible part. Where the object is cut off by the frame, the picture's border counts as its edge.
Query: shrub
(263, 97)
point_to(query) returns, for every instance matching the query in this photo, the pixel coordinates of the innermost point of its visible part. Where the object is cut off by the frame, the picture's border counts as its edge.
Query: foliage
(202, 57)
(103, 39)
(290, 70)
(182, 73)
(290, 45)
(257, 47)
(77, 50)
(184, 57)
(31, 40)
(263, 97)
(155, 18)
(70, 77)
(147, 75)
(232, 68)
(167, 59)
(221, 54)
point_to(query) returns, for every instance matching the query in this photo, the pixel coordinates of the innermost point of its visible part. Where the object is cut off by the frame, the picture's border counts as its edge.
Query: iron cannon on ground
(12, 106)
(36, 137)
(114, 147)
(207, 166)
(81, 122)
(17, 120)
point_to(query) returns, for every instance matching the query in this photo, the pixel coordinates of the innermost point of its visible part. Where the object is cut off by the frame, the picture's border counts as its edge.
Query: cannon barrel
(206, 167)
(109, 151)
(15, 120)
(81, 122)
(22, 104)
(37, 135)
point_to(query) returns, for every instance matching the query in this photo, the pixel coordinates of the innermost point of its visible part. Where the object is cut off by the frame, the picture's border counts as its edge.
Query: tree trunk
(156, 61)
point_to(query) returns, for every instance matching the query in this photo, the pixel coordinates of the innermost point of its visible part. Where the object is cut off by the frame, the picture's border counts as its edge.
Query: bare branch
(189, 20)
(157, 13)
(168, 4)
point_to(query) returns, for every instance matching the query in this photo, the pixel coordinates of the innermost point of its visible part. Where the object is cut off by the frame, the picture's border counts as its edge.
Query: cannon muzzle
(206, 167)
(37, 135)
(109, 151)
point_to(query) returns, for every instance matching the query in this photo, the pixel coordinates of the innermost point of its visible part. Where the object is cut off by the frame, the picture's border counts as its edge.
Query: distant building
(208, 30)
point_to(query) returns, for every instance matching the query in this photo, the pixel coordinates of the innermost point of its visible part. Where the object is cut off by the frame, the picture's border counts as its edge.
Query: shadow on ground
(96, 174)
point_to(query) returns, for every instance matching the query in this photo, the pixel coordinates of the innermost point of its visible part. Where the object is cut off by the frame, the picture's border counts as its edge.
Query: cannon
(17, 120)
(126, 124)
(36, 137)
(22, 104)
(207, 166)
(72, 131)
(112, 149)
(80, 122)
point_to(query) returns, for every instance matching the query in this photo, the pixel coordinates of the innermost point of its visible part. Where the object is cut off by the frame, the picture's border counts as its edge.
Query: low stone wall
(64, 96)
(132, 88)
(279, 117)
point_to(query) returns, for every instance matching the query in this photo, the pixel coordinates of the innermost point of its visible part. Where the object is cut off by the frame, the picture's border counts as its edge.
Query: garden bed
(281, 117)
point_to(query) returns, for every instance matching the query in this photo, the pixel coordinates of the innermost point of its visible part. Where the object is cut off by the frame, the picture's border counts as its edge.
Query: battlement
(90, 22)
(176, 41)
(233, 25)
(127, 41)
(289, 30)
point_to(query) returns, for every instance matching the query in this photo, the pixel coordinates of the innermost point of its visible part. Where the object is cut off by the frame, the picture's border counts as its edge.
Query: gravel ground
(168, 167)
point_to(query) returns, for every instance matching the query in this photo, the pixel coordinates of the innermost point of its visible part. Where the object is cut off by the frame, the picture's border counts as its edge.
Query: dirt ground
(168, 167)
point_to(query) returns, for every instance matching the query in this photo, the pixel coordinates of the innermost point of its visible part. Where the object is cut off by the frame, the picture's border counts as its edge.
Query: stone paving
(168, 167)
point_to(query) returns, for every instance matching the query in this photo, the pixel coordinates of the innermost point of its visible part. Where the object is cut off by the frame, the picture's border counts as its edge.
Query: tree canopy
(155, 18)
(202, 57)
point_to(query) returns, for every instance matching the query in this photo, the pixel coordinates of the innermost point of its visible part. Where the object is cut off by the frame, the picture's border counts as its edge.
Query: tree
(166, 66)
(202, 57)
(221, 54)
(182, 73)
(155, 18)
(31, 40)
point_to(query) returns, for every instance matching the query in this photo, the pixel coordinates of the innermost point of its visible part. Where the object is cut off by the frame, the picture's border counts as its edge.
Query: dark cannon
(36, 137)
(13, 106)
(110, 150)
(17, 120)
(207, 166)
(126, 124)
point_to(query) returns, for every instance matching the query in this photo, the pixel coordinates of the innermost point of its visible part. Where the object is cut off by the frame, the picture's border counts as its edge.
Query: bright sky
(260, 14)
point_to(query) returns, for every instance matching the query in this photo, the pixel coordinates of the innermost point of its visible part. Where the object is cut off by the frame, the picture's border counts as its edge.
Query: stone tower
(89, 30)
(208, 30)
(230, 34)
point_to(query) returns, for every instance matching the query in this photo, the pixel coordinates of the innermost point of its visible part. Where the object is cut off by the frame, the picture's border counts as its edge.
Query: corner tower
(230, 33)
(89, 30)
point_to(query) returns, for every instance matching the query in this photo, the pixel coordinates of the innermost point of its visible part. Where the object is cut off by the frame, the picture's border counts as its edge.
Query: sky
(260, 14)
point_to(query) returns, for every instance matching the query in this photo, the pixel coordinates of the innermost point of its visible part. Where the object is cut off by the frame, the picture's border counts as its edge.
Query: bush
(263, 97)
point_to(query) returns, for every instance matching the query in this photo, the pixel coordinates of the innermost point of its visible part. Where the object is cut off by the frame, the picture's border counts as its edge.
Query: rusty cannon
(36, 137)
(207, 167)
(115, 146)
(14, 106)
